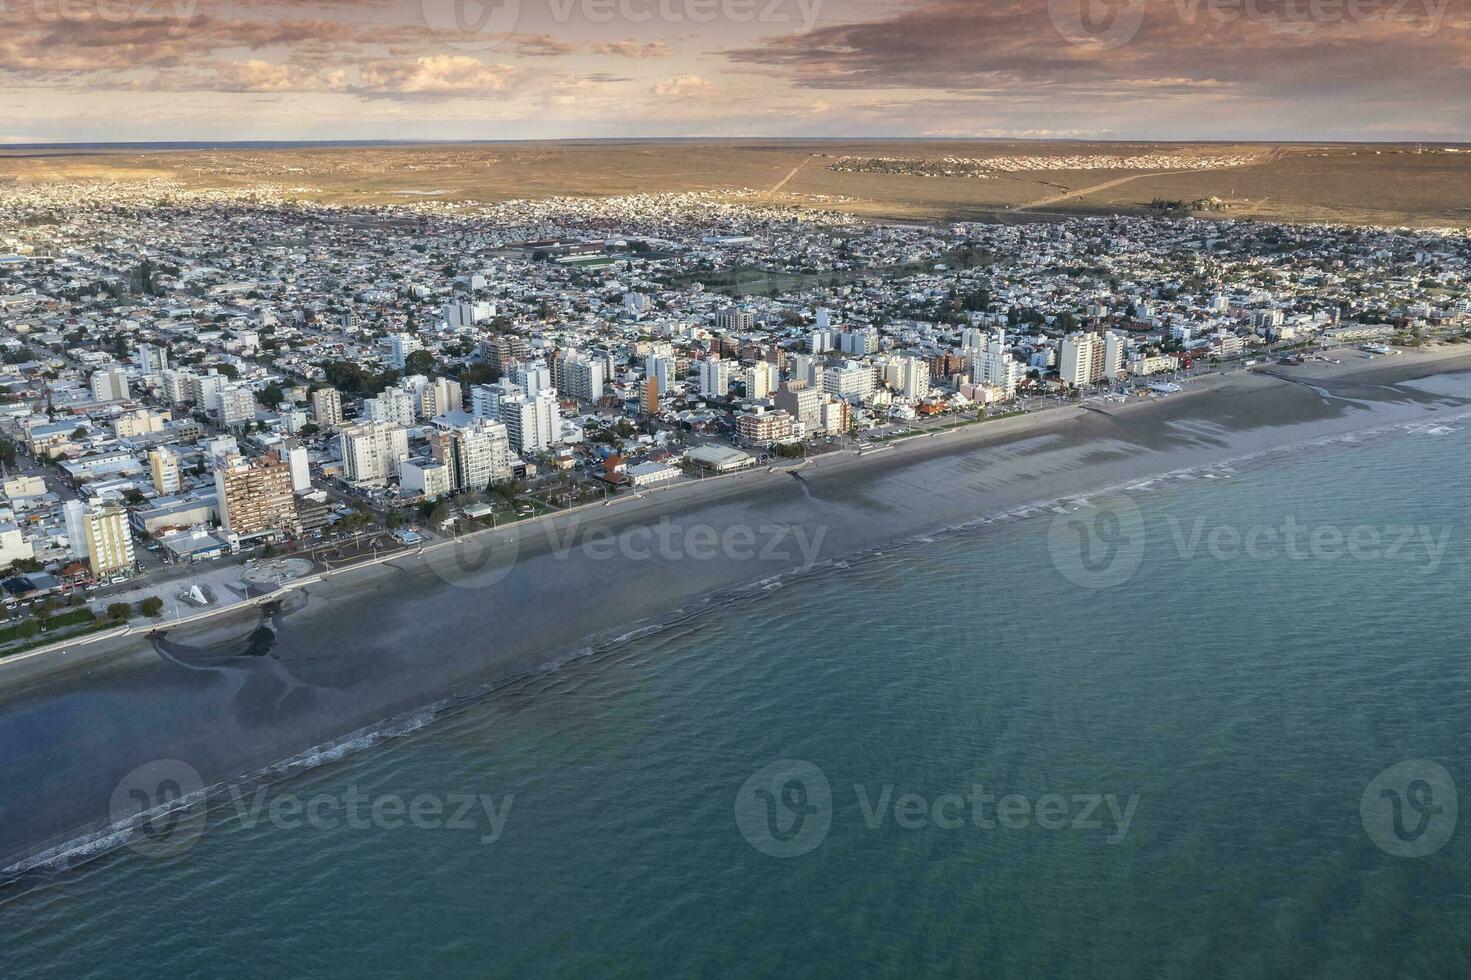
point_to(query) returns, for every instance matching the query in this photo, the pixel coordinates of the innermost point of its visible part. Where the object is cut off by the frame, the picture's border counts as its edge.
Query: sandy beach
(341, 658)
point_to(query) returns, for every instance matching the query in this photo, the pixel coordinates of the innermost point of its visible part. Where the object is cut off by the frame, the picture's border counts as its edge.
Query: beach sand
(384, 648)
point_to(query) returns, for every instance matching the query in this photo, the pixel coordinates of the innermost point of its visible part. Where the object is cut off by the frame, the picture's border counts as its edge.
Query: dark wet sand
(231, 698)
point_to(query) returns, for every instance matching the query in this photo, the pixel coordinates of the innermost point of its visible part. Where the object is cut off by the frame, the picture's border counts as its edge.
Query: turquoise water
(1244, 704)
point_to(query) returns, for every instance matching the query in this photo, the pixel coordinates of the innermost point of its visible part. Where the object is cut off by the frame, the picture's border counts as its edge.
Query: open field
(1362, 184)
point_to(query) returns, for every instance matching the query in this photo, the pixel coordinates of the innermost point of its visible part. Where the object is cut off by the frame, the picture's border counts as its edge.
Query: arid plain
(1420, 185)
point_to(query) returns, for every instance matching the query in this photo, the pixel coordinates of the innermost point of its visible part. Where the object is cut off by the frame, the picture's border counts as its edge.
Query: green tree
(151, 606)
(419, 362)
(119, 612)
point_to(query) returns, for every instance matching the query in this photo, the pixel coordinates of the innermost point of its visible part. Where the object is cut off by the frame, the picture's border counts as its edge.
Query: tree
(119, 612)
(272, 395)
(419, 362)
(29, 628)
(151, 606)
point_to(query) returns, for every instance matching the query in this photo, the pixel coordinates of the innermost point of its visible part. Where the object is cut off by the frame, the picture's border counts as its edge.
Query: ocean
(1208, 725)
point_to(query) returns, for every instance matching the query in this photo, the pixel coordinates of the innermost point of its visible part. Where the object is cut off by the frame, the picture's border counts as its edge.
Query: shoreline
(343, 662)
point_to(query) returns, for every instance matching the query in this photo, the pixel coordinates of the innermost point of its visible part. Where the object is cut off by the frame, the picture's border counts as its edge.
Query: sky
(111, 70)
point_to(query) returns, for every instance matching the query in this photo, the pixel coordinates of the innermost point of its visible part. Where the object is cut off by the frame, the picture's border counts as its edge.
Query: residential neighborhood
(194, 377)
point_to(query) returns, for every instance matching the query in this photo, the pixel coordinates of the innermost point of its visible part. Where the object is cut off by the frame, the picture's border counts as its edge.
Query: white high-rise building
(581, 377)
(858, 342)
(327, 407)
(373, 451)
(74, 512)
(485, 400)
(462, 315)
(533, 377)
(661, 368)
(532, 424)
(992, 364)
(400, 346)
(735, 320)
(761, 380)
(301, 467)
(439, 396)
(164, 467)
(475, 455)
(714, 377)
(206, 389)
(1087, 358)
(152, 359)
(101, 536)
(1113, 355)
(807, 370)
(1080, 362)
(850, 380)
(178, 387)
(110, 384)
(234, 405)
(393, 405)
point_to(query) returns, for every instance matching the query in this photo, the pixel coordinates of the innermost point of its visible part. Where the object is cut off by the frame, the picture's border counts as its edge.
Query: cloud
(1015, 48)
(633, 49)
(433, 76)
(681, 87)
(542, 45)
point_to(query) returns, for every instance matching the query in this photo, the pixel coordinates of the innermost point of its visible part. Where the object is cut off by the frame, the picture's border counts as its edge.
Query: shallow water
(1225, 707)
